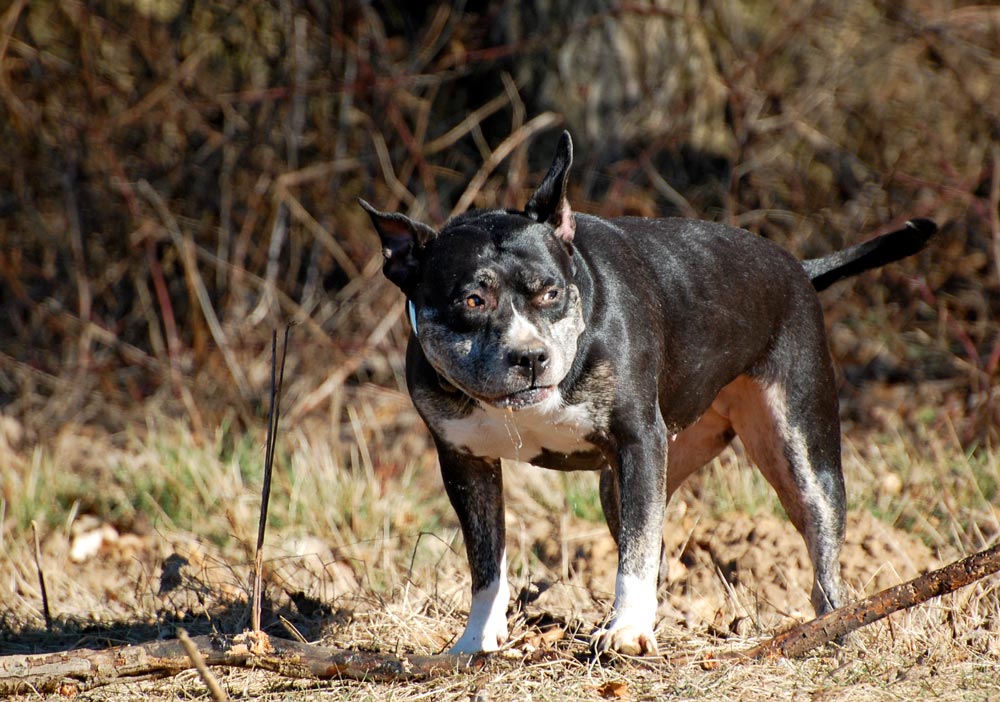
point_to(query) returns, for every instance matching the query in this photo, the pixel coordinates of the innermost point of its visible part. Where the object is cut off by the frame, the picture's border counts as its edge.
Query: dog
(635, 347)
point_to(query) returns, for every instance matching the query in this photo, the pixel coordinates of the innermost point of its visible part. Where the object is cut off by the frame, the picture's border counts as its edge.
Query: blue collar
(411, 312)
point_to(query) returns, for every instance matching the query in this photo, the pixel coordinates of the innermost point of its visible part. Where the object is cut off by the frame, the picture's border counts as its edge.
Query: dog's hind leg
(695, 446)
(791, 431)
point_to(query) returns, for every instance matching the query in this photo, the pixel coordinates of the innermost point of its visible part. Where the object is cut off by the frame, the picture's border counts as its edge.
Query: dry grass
(358, 558)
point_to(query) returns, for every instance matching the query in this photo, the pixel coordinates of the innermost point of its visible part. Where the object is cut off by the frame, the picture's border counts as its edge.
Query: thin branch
(817, 632)
(265, 497)
(470, 122)
(338, 376)
(539, 123)
(840, 622)
(41, 577)
(994, 205)
(211, 682)
(186, 247)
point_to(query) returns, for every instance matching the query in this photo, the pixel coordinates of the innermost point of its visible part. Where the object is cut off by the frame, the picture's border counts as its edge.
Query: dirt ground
(733, 579)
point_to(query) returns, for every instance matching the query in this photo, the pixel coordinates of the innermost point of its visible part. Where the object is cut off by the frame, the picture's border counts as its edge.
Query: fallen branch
(84, 669)
(840, 622)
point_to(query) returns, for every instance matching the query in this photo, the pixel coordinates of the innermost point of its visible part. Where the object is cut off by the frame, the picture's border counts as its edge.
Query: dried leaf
(613, 690)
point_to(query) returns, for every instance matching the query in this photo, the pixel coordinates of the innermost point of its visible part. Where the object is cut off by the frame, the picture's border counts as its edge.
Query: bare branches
(185, 246)
(533, 126)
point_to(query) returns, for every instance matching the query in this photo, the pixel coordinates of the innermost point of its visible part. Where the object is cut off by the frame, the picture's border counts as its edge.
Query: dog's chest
(550, 429)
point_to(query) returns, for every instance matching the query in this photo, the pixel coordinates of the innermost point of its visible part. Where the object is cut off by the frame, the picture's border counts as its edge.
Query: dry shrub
(181, 178)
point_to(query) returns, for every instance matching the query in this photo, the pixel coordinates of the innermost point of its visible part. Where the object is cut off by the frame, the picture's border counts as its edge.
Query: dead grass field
(180, 178)
(362, 559)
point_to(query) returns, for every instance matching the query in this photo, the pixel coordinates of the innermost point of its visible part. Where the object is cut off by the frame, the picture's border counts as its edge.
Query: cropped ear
(402, 239)
(549, 204)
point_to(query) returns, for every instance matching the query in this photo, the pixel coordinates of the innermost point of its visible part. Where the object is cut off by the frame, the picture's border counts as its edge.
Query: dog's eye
(473, 301)
(549, 296)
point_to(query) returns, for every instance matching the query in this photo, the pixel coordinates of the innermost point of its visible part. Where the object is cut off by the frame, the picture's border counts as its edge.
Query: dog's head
(491, 297)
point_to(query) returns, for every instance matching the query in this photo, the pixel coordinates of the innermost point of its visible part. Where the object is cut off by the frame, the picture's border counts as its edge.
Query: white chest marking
(523, 434)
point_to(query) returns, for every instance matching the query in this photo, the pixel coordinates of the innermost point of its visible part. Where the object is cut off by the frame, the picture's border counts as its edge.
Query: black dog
(638, 347)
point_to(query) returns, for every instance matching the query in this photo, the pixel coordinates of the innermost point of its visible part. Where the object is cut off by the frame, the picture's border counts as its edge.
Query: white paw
(487, 627)
(627, 639)
(630, 630)
(490, 639)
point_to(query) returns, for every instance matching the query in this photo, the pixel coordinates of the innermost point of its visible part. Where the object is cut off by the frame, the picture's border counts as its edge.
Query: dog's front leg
(641, 472)
(475, 488)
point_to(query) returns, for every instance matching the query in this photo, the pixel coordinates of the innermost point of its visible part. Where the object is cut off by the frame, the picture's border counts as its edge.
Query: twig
(84, 292)
(542, 121)
(295, 208)
(185, 246)
(416, 161)
(218, 694)
(21, 114)
(272, 427)
(292, 631)
(41, 578)
(665, 189)
(817, 632)
(470, 122)
(399, 190)
(160, 93)
(337, 378)
(840, 622)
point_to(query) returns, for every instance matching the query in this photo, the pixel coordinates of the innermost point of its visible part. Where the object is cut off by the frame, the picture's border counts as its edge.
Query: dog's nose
(530, 362)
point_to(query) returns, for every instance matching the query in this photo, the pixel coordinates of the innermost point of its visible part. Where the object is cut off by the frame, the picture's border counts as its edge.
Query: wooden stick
(87, 668)
(265, 491)
(805, 637)
(822, 630)
(218, 694)
(41, 578)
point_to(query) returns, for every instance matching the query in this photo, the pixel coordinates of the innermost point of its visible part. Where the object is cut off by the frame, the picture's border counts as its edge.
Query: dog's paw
(487, 627)
(485, 640)
(625, 638)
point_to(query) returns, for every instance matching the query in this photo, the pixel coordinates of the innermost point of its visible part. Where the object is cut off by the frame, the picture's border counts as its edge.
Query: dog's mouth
(522, 398)
(517, 400)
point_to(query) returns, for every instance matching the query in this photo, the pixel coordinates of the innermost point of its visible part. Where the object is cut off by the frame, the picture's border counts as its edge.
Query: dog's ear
(548, 203)
(402, 239)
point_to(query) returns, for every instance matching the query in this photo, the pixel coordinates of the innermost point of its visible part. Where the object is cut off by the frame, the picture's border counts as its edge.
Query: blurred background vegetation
(179, 178)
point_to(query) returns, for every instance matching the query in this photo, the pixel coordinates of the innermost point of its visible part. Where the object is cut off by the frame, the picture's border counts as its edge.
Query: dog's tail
(825, 271)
